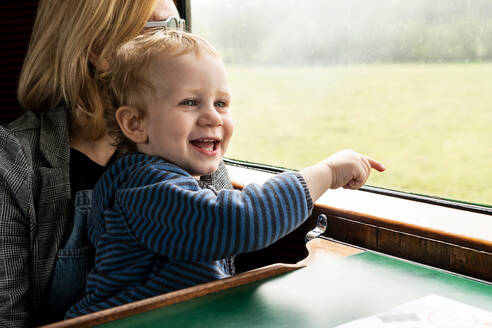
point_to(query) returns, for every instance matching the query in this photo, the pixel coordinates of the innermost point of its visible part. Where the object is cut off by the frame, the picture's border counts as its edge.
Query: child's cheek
(228, 132)
(230, 123)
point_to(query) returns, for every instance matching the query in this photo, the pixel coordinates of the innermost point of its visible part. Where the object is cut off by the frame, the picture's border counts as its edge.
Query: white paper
(430, 311)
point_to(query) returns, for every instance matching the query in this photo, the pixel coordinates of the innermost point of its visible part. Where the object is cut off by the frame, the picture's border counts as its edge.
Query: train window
(406, 82)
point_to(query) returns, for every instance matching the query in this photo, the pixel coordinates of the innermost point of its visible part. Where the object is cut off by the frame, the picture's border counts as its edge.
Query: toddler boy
(155, 226)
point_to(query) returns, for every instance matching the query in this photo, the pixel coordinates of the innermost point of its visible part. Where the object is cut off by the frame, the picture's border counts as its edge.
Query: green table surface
(329, 292)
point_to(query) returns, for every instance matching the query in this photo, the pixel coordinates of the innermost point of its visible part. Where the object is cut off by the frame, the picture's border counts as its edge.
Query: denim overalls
(73, 263)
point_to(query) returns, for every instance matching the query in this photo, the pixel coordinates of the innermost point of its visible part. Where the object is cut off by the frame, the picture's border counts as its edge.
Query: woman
(53, 154)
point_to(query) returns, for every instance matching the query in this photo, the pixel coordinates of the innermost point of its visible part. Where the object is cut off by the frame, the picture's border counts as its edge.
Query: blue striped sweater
(156, 229)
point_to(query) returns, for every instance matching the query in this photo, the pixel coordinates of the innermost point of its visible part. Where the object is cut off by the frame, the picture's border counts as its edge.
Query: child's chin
(208, 170)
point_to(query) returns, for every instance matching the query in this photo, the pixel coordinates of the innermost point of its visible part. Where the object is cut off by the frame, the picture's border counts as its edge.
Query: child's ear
(131, 124)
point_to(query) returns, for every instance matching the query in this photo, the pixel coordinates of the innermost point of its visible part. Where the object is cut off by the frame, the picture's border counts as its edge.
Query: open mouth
(206, 145)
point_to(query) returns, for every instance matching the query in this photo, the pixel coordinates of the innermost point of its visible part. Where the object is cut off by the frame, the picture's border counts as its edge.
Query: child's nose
(210, 116)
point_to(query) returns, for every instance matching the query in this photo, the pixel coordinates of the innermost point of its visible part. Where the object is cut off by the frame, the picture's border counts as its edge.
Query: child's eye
(220, 104)
(188, 102)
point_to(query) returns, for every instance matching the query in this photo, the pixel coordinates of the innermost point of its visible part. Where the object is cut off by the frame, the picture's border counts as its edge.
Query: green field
(430, 124)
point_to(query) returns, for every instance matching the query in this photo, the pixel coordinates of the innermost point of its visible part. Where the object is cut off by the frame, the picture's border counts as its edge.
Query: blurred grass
(430, 124)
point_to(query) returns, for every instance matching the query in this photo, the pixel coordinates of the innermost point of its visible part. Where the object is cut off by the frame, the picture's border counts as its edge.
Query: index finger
(376, 165)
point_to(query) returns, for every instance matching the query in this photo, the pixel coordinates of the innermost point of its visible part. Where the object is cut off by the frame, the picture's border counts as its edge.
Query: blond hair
(57, 70)
(127, 81)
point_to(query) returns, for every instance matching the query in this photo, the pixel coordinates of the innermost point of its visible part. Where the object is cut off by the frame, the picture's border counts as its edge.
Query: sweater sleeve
(176, 218)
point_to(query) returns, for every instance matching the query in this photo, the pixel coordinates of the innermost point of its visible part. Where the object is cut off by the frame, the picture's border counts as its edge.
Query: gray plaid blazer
(36, 209)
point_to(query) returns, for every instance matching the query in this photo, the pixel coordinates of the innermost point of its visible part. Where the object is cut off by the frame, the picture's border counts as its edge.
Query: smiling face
(189, 121)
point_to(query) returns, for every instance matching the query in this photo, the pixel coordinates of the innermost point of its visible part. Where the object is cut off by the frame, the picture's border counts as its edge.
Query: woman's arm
(15, 179)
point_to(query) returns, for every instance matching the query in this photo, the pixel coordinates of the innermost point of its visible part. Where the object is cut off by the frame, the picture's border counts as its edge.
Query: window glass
(405, 82)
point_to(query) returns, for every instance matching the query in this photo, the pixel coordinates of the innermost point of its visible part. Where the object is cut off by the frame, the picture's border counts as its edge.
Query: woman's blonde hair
(57, 69)
(127, 81)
